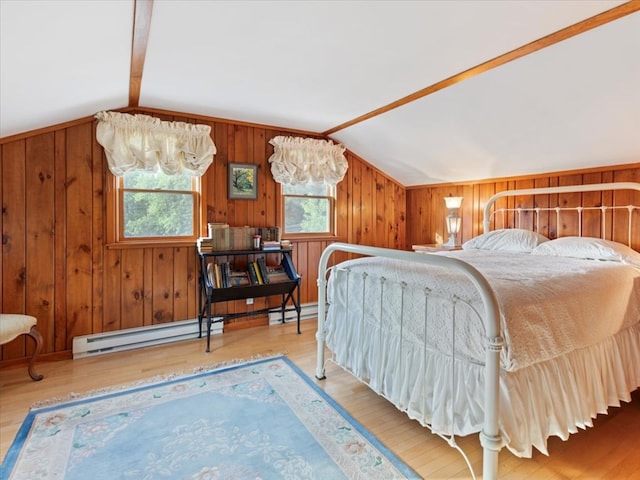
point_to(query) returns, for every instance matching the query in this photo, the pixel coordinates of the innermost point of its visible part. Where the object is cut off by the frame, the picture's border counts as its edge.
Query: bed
(516, 337)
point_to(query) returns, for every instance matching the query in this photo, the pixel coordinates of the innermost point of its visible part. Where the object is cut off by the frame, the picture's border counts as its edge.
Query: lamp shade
(453, 202)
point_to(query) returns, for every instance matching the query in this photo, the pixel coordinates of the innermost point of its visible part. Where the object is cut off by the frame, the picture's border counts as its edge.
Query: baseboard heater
(130, 338)
(308, 310)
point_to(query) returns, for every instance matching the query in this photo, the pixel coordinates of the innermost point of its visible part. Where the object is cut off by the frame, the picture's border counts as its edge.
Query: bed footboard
(490, 436)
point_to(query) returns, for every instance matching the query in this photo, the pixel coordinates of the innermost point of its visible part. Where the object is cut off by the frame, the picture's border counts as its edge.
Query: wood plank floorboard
(611, 450)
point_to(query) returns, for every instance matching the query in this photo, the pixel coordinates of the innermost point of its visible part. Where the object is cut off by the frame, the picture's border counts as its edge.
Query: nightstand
(434, 247)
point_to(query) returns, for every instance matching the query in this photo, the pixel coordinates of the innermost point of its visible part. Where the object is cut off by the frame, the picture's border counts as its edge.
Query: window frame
(333, 204)
(115, 217)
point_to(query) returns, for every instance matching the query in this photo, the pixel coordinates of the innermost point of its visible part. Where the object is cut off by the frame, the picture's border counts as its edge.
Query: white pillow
(589, 248)
(506, 240)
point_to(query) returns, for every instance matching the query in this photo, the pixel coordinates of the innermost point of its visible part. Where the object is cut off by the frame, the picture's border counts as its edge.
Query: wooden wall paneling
(148, 275)
(180, 284)
(419, 225)
(502, 220)
(380, 230)
(79, 204)
(265, 204)
(553, 201)
(40, 224)
(401, 216)
(390, 223)
(60, 243)
(525, 218)
(116, 296)
(484, 192)
(163, 288)
(625, 198)
(419, 203)
(356, 196)
(591, 219)
(607, 199)
(130, 277)
(541, 220)
(98, 229)
(314, 251)
(13, 238)
(192, 283)
(217, 180)
(569, 222)
(302, 267)
(231, 157)
(367, 205)
(466, 212)
(344, 199)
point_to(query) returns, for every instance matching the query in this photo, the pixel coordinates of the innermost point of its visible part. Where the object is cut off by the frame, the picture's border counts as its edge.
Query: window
(309, 209)
(152, 206)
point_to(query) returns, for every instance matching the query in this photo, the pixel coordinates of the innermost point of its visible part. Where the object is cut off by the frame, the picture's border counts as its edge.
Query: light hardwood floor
(611, 450)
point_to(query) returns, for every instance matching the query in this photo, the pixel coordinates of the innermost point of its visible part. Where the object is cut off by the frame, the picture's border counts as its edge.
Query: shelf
(289, 290)
(252, 291)
(229, 253)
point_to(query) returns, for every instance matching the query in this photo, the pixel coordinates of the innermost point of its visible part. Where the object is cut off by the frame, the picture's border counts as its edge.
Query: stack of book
(270, 245)
(222, 237)
(205, 244)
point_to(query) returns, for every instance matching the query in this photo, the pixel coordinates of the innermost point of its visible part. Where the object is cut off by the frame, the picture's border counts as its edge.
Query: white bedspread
(571, 328)
(550, 305)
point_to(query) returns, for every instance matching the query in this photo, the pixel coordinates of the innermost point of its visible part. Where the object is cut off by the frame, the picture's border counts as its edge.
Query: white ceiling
(314, 65)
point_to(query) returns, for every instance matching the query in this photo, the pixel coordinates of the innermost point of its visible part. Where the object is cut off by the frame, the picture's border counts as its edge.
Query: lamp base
(451, 242)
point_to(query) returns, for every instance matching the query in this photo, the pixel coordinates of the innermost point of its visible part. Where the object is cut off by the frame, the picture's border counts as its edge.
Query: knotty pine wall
(56, 266)
(427, 212)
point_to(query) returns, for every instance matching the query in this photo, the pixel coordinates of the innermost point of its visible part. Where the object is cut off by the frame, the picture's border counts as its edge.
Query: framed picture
(243, 181)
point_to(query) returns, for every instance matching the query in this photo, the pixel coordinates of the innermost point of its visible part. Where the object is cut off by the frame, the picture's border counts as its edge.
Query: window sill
(297, 238)
(151, 244)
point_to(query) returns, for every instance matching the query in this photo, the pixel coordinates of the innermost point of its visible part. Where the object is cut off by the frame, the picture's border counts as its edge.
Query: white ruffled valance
(299, 160)
(141, 142)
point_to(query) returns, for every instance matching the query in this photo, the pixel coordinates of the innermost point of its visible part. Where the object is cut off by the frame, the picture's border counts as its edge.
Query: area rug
(259, 420)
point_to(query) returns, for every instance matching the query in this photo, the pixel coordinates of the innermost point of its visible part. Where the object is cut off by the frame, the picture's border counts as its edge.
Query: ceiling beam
(142, 10)
(568, 32)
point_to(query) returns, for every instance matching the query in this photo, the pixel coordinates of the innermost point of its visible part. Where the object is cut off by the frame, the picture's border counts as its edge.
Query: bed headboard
(619, 221)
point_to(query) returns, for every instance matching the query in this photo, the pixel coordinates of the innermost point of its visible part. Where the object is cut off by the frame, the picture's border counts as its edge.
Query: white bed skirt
(537, 401)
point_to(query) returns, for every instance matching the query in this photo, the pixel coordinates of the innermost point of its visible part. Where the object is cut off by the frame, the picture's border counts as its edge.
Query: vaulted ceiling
(426, 91)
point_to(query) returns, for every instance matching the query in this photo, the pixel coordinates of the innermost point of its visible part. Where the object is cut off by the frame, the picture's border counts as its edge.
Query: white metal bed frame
(596, 187)
(490, 436)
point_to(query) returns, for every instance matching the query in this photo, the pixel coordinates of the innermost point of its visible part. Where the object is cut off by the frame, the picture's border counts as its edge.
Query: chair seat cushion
(13, 325)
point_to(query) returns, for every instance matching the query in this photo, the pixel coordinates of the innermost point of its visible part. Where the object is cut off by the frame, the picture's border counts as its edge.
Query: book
(237, 279)
(262, 268)
(224, 268)
(258, 273)
(252, 274)
(287, 263)
(218, 276)
(270, 245)
(277, 273)
(211, 274)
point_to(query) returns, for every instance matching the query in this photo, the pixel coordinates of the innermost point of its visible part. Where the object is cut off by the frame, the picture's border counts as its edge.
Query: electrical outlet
(249, 301)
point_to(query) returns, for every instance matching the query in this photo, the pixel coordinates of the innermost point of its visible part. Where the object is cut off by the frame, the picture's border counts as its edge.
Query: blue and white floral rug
(258, 420)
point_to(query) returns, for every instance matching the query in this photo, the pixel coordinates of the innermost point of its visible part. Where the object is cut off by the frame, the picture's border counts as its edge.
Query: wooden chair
(12, 326)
